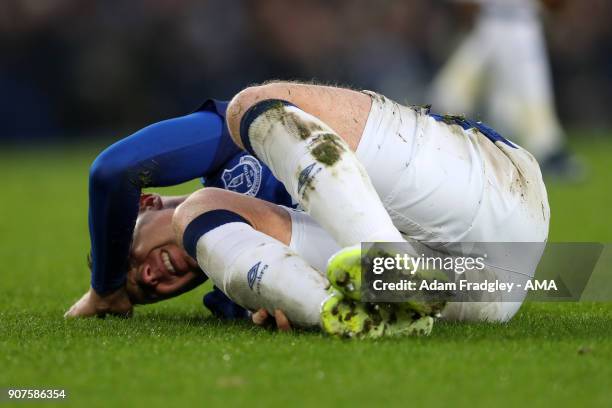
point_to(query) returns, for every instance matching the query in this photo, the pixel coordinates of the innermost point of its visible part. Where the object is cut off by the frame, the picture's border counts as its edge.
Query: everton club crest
(245, 177)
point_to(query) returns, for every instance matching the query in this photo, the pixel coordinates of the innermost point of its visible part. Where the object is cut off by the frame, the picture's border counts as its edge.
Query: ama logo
(255, 274)
(244, 177)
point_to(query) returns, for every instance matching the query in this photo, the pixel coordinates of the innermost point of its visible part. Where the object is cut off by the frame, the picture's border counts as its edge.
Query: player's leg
(243, 245)
(240, 243)
(460, 82)
(316, 246)
(344, 110)
(307, 135)
(521, 98)
(342, 195)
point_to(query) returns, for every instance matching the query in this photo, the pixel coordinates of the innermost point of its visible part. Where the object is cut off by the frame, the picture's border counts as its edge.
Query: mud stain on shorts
(421, 109)
(451, 119)
(516, 173)
(497, 163)
(520, 184)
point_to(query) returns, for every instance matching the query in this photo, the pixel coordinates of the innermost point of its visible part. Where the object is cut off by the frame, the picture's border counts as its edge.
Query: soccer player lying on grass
(363, 168)
(273, 266)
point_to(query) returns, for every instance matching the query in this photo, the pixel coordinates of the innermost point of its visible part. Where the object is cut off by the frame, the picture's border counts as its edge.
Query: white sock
(257, 271)
(321, 172)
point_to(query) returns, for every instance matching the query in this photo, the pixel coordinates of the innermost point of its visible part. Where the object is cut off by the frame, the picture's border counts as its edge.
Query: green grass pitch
(549, 355)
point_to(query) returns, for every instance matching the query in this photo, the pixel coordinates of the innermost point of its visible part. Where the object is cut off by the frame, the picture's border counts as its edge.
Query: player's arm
(166, 153)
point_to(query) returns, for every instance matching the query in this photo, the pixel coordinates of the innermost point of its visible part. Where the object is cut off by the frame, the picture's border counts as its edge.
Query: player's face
(159, 268)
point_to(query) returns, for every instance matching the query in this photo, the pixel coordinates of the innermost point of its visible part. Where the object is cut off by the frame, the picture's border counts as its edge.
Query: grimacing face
(159, 267)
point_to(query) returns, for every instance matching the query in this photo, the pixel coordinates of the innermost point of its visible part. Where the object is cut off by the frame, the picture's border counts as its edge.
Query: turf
(549, 355)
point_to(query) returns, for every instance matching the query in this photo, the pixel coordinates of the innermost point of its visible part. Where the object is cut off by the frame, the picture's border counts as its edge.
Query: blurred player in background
(503, 63)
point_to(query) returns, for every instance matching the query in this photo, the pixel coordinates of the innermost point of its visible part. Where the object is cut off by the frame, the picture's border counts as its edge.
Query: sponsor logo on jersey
(244, 177)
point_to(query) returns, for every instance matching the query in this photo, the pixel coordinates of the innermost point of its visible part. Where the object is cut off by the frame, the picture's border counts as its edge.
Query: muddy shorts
(447, 181)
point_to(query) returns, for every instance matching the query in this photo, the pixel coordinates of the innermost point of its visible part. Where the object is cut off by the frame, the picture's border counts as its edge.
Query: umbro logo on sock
(255, 274)
(305, 177)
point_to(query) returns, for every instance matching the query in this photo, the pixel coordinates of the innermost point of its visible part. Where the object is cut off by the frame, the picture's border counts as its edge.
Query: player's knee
(246, 99)
(201, 202)
(239, 104)
(202, 212)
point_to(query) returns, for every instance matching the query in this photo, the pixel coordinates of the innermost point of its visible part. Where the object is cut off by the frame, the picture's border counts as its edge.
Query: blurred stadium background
(74, 69)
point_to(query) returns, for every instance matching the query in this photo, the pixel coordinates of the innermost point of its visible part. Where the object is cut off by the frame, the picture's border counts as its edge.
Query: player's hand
(93, 304)
(262, 317)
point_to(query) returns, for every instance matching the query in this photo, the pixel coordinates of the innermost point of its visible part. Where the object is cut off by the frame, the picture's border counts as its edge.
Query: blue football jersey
(166, 153)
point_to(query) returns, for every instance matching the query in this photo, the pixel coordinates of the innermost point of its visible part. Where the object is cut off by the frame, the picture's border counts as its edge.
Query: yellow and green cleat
(344, 271)
(345, 315)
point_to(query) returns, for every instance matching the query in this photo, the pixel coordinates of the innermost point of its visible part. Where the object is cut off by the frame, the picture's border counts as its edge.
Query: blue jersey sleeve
(165, 153)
